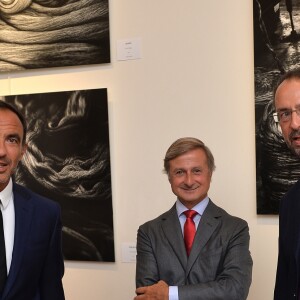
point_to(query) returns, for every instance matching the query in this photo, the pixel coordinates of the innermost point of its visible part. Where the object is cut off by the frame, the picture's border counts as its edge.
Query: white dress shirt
(8, 213)
(199, 208)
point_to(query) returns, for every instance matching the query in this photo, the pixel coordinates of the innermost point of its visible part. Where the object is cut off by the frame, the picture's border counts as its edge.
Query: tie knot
(190, 213)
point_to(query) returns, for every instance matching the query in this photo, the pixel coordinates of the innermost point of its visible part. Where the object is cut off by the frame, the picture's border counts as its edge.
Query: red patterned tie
(189, 230)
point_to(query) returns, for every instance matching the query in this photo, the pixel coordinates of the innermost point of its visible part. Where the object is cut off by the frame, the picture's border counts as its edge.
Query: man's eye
(13, 140)
(284, 114)
(197, 171)
(178, 172)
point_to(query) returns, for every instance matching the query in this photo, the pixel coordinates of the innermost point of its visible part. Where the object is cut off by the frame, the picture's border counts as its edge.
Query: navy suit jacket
(287, 277)
(37, 265)
(219, 265)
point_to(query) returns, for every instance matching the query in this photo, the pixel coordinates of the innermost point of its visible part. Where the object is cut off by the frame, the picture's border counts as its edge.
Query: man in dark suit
(32, 225)
(216, 262)
(287, 106)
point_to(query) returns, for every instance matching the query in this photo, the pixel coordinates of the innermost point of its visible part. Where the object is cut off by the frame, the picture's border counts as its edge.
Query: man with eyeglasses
(287, 106)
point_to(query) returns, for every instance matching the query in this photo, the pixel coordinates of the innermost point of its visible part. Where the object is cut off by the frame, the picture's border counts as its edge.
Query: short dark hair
(5, 105)
(184, 145)
(291, 74)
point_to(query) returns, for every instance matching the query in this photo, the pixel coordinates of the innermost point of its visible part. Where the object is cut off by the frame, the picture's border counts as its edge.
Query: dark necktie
(189, 230)
(3, 270)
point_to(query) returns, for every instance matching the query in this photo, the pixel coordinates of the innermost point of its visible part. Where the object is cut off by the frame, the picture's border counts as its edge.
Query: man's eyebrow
(285, 108)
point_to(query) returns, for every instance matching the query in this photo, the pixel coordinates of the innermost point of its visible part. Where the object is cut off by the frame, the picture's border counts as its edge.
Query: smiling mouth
(190, 189)
(295, 139)
(295, 136)
(3, 165)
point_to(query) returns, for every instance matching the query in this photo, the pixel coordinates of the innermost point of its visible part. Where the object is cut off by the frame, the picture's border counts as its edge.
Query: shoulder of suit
(290, 200)
(293, 191)
(161, 217)
(29, 195)
(218, 212)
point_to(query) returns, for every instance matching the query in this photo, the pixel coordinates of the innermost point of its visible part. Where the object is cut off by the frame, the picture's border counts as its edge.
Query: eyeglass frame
(278, 119)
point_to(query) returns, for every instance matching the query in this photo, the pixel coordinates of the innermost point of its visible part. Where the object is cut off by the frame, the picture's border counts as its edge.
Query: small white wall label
(129, 252)
(129, 49)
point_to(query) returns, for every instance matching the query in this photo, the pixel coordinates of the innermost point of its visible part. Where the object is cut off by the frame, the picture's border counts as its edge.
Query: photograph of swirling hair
(67, 159)
(276, 26)
(51, 33)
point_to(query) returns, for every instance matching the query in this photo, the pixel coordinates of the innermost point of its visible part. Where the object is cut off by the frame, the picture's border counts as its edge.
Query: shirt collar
(199, 208)
(6, 194)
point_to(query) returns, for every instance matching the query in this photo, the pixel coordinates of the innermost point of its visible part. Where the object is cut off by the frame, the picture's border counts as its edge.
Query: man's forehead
(192, 156)
(288, 91)
(10, 121)
(288, 84)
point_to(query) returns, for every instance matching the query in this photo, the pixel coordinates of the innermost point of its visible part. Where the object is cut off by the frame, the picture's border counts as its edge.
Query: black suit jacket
(219, 265)
(287, 277)
(37, 265)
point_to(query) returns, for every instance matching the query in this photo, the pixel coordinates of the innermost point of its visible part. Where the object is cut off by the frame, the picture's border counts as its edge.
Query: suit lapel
(206, 227)
(23, 217)
(172, 230)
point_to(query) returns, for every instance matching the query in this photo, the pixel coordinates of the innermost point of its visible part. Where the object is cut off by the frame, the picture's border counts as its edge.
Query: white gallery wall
(195, 78)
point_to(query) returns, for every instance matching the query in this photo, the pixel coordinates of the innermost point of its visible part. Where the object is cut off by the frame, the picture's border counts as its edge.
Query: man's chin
(296, 150)
(4, 179)
(3, 182)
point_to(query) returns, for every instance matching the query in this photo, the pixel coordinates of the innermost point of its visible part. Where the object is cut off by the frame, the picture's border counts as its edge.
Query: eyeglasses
(285, 115)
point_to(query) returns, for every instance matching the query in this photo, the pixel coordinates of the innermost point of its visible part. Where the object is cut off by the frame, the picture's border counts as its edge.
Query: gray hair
(184, 145)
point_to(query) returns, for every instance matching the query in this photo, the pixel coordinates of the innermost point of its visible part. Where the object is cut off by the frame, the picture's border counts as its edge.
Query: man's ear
(24, 149)
(169, 177)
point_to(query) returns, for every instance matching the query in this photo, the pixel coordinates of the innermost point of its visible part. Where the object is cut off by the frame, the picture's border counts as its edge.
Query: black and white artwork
(276, 50)
(68, 161)
(51, 33)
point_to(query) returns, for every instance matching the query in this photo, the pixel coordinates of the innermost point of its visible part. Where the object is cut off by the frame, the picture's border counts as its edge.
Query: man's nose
(2, 149)
(295, 120)
(189, 179)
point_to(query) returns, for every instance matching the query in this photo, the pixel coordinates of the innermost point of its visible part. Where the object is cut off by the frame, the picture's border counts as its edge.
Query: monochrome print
(52, 33)
(276, 50)
(68, 161)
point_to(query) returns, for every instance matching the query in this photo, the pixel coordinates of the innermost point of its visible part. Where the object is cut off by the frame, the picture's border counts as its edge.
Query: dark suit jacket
(219, 265)
(37, 265)
(288, 273)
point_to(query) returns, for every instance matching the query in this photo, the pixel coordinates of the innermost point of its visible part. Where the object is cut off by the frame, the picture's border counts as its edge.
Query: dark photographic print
(276, 50)
(51, 33)
(68, 161)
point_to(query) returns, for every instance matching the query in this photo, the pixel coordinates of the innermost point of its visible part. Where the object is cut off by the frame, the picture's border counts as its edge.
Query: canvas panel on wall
(276, 50)
(68, 161)
(50, 33)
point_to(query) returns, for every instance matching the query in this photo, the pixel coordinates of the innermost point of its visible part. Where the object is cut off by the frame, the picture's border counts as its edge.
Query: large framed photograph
(50, 33)
(68, 161)
(276, 50)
